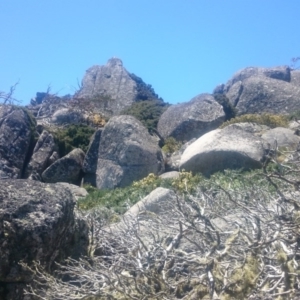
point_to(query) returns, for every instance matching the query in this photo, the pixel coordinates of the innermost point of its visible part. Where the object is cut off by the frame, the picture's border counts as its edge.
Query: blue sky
(181, 47)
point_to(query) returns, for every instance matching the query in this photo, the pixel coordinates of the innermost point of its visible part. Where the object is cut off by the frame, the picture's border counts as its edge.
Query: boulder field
(40, 187)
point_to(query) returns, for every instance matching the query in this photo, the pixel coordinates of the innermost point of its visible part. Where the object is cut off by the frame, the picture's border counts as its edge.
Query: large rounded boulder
(66, 169)
(37, 224)
(263, 90)
(16, 130)
(127, 152)
(191, 119)
(228, 148)
(40, 158)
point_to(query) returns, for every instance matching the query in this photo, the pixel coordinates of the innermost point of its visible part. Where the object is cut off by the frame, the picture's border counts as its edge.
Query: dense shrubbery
(144, 91)
(270, 120)
(148, 112)
(171, 145)
(71, 137)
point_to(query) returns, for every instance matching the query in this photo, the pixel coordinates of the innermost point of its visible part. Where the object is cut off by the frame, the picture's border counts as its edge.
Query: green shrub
(71, 137)
(171, 145)
(148, 112)
(121, 199)
(270, 120)
(294, 116)
(144, 91)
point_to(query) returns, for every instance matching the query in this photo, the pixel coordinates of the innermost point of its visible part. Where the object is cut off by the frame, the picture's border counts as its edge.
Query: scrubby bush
(148, 112)
(171, 145)
(144, 91)
(236, 236)
(120, 199)
(294, 116)
(71, 137)
(270, 120)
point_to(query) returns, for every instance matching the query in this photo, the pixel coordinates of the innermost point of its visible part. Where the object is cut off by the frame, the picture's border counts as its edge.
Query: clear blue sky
(181, 47)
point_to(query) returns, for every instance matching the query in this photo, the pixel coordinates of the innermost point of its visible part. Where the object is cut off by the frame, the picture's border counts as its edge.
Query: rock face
(16, 129)
(127, 152)
(112, 88)
(228, 148)
(66, 169)
(263, 90)
(36, 224)
(67, 116)
(40, 158)
(91, 158)
(159, 200)
(283, 137)
(192, 119)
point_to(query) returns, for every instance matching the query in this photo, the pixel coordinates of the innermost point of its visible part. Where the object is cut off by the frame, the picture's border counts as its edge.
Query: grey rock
(77, 192)
(45, 105)
(53, 158)
(254, 128)
(159, 200)
(264, 90)
(112, 88)
(67, 116)
(169, 175)
(16, 130)
(228, 148)
(191, 119)
(172, 161)
(37, 223)
(294, 124)
(66, 169)
(42, 152)
(283, 137)
(90, 160)
(127, 152)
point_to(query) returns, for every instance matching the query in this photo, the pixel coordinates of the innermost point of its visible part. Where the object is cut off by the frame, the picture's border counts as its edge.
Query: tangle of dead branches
(233, 239)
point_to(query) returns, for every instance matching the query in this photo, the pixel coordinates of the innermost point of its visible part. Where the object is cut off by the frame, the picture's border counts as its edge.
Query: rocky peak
(114, 61)
(112, 88)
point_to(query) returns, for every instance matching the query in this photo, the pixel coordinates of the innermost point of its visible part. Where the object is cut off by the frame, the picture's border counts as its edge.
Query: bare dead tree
(8, 98)
(294, 63)
(233, 239)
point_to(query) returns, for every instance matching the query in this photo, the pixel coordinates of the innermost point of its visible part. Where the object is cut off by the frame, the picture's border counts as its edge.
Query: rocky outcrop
(91, 158)
(228, 148)
(44, 105)
(40, 158)
(172, 161)
(37, 223)
(16, 130)
(67, 116)
(191, 119)
(263, 90)
(127, 152)
(159, 200)
(283, 137)
(112, 88)
(66, 169)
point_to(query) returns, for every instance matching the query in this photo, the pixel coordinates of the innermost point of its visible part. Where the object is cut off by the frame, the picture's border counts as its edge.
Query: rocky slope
(122, 151)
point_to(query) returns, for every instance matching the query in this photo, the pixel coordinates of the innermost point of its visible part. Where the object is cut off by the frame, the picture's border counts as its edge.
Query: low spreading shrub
(171, 145)
(71, 137)
(147, 111)
(270, 120)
